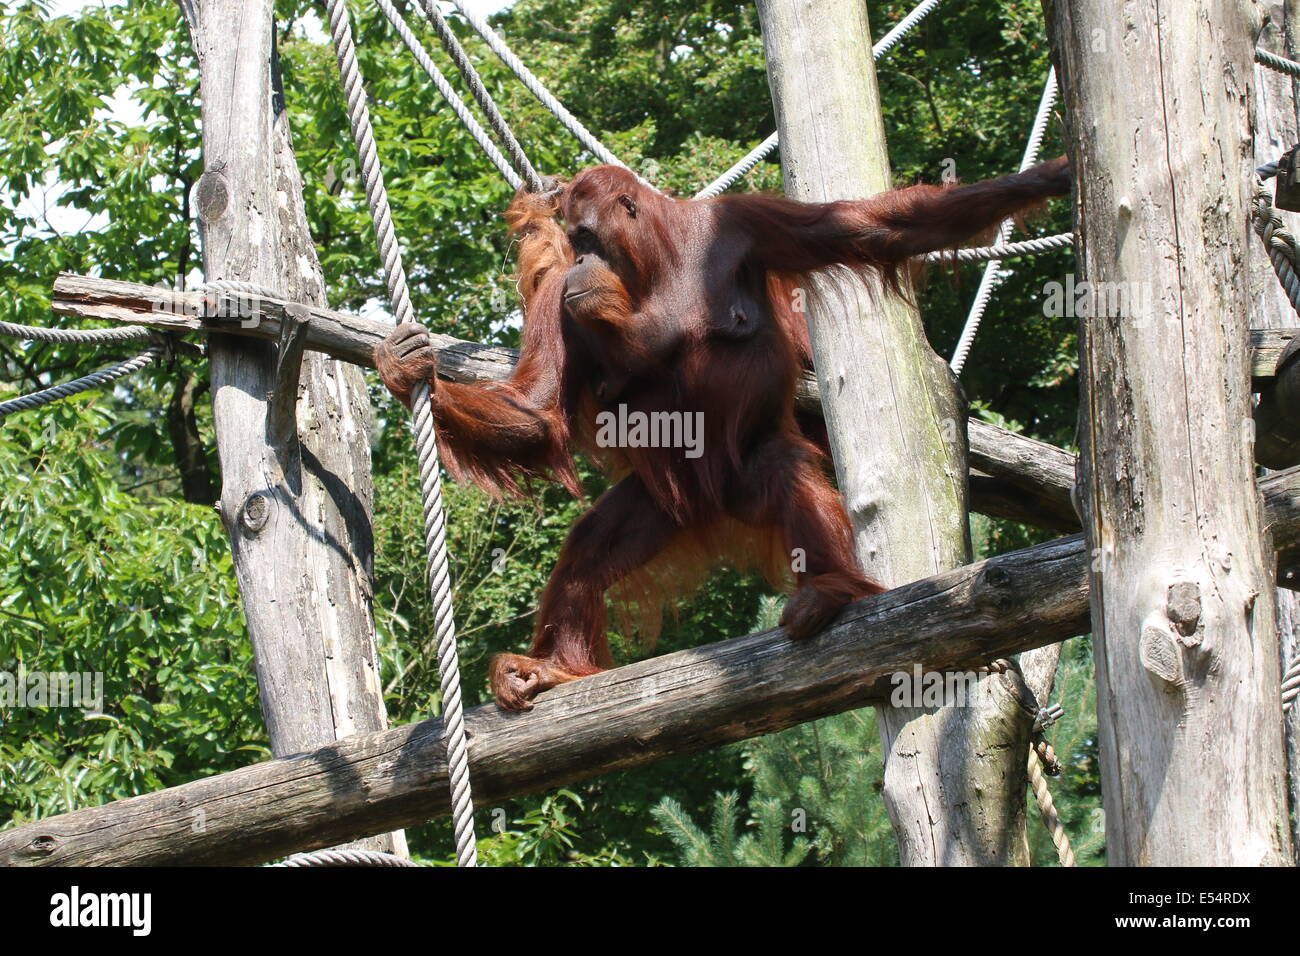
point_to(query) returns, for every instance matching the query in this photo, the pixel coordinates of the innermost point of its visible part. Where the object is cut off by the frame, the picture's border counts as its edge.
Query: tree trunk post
(955, 778)
(1183, 606)
(293, 427)
(1277, 129)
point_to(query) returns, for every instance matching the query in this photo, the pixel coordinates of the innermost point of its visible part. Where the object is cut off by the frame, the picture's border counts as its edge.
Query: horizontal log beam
(1013, 476)
(679, 703)
(350, 337)
(344, 336)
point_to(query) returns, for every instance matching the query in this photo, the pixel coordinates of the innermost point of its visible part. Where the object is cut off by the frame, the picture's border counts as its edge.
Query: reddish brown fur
(683, 306)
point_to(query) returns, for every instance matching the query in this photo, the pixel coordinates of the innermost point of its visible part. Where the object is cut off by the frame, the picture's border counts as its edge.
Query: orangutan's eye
(629, 205)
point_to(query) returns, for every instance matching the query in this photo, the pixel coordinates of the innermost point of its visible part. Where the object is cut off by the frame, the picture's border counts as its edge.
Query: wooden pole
(1183, 607)
(1277, 129)
(953, 799)
(293, 428)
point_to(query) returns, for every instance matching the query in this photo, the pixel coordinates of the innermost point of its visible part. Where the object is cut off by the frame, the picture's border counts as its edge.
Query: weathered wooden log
(1018, 477)
(353, 338)
(343, 336)
(679, 703)
(1184, 608)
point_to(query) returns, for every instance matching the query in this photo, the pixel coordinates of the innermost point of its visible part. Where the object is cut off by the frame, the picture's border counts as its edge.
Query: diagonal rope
(1278, 63)
(1047, 811)
(84, 384)
(38, 333)
(1291, 684)
(462, 804)
(741, 169)
(363, 136)
(481, 96)
(535, 86)
(993, 274)
(449, 94)
(752, 158)
(1043, 764)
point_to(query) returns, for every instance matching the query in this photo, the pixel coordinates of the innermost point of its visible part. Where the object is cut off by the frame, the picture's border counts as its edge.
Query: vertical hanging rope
(992, 277)
(363, 136)
(462, 804)
(481, 96)
(1047, 810)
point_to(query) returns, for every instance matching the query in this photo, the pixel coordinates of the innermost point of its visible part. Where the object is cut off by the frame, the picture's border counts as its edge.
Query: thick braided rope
(755, 155)
(1281, 245)
(364, 137)
(903, 27)
(741, 169)
(1029, 247)
(1291, 684)
(37, 333)
(535, 86)
(1040, 744)
(453, 710)
(84, 384)
(1042, 764)
(449, 94)
(426, 445)
(481, 96)
(993, 274)
(344, 858)
(1047, 810)
(1275, 62)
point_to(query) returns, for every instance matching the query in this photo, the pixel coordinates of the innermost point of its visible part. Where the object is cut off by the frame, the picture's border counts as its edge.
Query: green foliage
(765, 846)
(544, 836)
(142, 593)
(821, 778)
